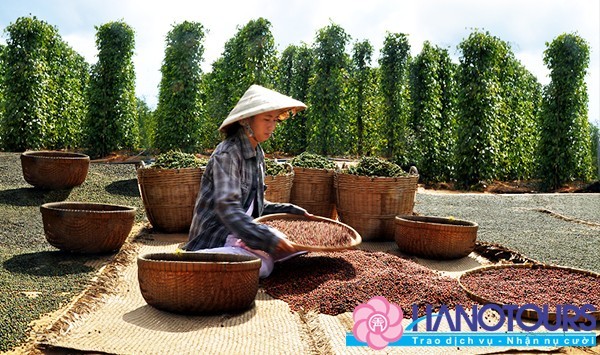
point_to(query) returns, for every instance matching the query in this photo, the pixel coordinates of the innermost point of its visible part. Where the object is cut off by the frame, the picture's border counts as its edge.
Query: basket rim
(356, 240)
(56, 206)
(313, 169)
(289, 172)
(55, 154)
(151, 168)
(372, 178)
(248, 260)
(436, 220)
(527, 313)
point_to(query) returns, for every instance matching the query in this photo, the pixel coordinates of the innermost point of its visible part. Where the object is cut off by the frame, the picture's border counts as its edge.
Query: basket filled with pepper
(169, 188)
(370, 194)
(279, 179)
(315, 233)
(313, 184)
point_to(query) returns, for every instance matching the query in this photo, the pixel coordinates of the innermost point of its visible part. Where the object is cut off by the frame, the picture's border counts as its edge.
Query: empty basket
(87, 228)
(198, 283)
(54, 170)
(435, 237)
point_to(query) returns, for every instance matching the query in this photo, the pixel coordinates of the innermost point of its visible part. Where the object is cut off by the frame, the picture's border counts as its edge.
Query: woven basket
(87, 228)
(279, 187)
(527, 313)
(435, 237)
(370, 204)
(169, 196)
(313, 190)
(54, 170)
(356, 238)
(198, 283)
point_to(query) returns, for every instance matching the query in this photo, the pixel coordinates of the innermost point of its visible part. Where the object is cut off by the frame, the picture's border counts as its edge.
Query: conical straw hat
(258, 99)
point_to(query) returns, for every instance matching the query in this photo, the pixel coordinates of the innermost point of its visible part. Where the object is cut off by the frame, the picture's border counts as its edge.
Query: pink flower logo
(377, 322)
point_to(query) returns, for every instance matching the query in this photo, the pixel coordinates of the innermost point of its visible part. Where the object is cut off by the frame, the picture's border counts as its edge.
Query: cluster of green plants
(483, 118)
(273, 168)
(312, 161)
(376, 167)
(176, 159)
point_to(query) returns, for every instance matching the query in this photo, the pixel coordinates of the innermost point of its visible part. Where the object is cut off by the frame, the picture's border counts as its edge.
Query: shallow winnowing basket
(507, 289)
(169, 196)
(355, 237)
(313, 190)
(198, 283)
(370, 204)
(435, 237)
(279, 187)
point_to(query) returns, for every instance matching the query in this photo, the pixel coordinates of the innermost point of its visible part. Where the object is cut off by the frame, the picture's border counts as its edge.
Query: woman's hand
(310, 215)
(284, 247)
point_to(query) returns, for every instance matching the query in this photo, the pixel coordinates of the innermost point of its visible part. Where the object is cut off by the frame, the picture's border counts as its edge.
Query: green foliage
(393, 80)
(312, 161)
(43, 95)
(327, 122)
(565, 147)
(480, 98)
(376, 167)
(176, 159)
(595, 138)
(111, 121)
(294, 72)
(521, 94)
(1, 94)
(447, 73)
(146, 123)
(248, 58)
(273, 168)
(362, 94)
(432, 113)
(179, 109)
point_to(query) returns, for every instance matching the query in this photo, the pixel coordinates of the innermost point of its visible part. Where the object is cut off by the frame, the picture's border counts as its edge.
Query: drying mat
(119, 321)
(122, 322)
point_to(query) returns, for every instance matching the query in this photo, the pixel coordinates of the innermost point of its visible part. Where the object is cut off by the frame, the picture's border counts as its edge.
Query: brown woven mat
(117, 320)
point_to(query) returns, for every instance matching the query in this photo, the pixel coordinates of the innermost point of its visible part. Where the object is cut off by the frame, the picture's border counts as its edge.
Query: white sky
(526, 24)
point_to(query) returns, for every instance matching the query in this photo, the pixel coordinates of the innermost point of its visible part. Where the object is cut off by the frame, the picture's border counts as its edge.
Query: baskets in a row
(79, 227)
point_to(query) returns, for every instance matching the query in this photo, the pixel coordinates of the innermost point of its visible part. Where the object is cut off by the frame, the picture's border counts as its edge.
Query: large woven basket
(279, 187)
(198, 283)
(54, 170)
(435, 237)
(313, 190)
(370, 204)
(518, 284)
(169, 196)
(87, 228)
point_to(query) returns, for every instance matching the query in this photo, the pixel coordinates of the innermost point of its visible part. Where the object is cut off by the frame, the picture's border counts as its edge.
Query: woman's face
(263, 125)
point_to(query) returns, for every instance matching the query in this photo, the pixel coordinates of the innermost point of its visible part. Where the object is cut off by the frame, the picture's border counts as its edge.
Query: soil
(516, 187)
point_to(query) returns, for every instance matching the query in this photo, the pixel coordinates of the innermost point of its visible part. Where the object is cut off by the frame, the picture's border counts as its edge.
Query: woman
(232, 190)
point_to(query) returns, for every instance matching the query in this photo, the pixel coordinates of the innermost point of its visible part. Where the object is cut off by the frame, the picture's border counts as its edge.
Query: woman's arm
(228, 205)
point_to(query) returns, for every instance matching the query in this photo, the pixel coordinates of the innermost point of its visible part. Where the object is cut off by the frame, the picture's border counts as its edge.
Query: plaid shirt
(233, 177)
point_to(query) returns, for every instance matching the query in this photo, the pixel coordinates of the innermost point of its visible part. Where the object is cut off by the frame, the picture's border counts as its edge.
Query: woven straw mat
(121, 322)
